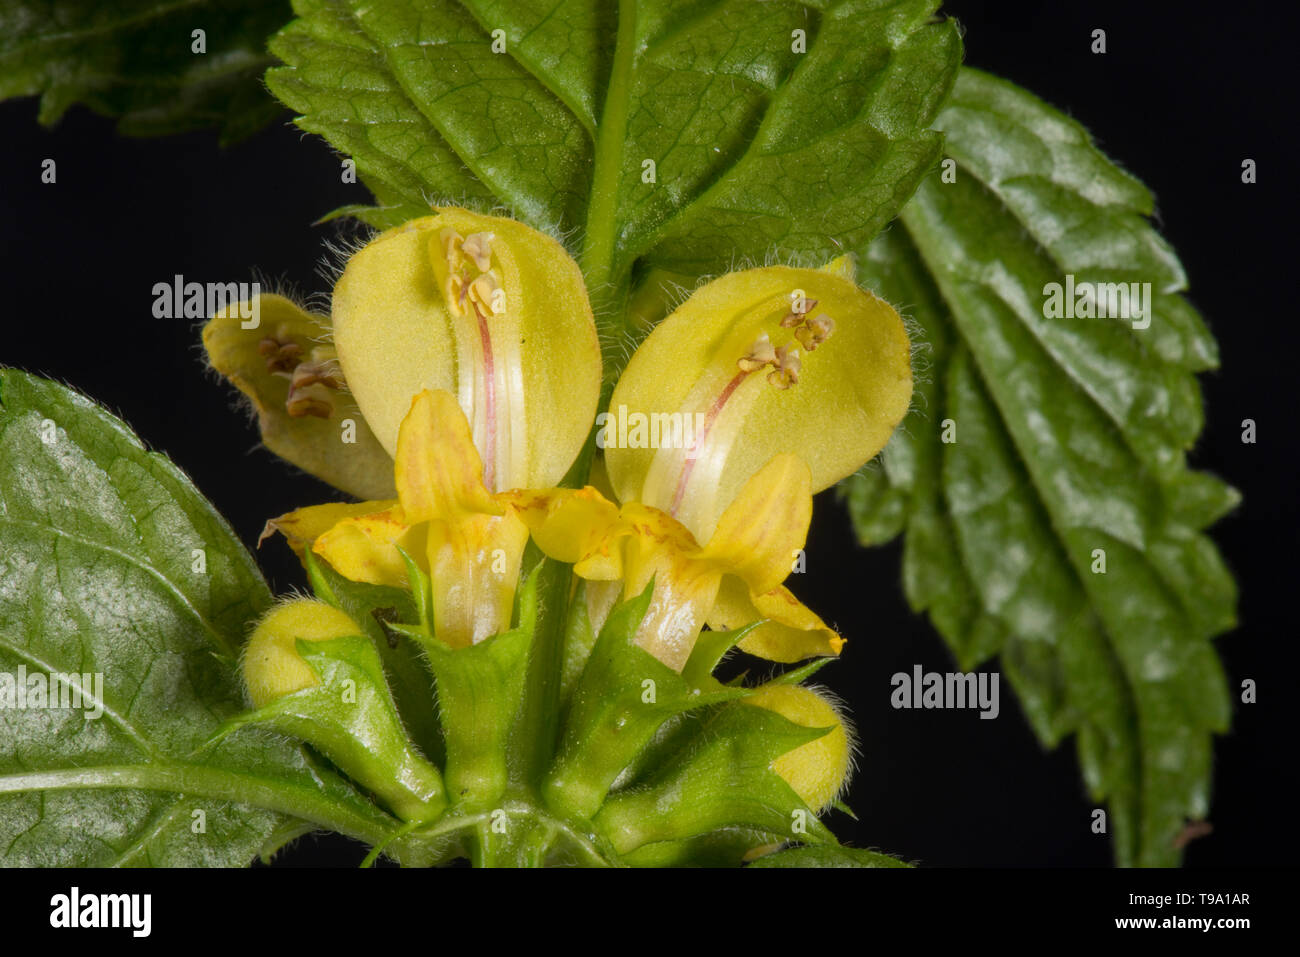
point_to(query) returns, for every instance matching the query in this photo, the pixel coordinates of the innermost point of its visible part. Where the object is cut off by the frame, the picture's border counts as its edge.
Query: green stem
(199, 781)
(601, 237)
(379, 848)
(530, 836)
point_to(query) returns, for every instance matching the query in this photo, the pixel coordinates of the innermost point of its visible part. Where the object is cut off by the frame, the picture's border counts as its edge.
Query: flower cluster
(466, 345)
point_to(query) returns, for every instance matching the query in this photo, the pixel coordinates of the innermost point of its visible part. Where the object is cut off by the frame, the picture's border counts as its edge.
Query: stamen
(479, 296)
(281, 355)
(315, 400)
(787, 368)
(312, 386)
(815, 331)
(310, 373)
(483, 293)
(456, 293)
(799, 308)
(281, 350)
(478, 247)
(760, 354)
(451, 247)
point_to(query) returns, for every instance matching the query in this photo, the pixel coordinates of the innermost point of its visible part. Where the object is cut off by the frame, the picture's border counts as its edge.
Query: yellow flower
(290, 376)
(468, 344)
(763, 387)
(489, 310)
(468, 539)
(754, 364)
(482, 306)
(733, 580)
(779, 382)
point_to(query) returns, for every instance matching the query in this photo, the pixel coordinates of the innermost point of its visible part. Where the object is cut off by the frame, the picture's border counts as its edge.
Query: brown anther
(799, 308)
(282, 355)
(313, 400)
(312, 386)
(787, 368)
(760, 354)
(815, 331)
(478, 247)
(311, 373)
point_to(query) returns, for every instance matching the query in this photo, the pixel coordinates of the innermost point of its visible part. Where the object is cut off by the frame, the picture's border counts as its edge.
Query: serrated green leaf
(664, 137)
(1070, 436)
(133, 60)
(101, 546)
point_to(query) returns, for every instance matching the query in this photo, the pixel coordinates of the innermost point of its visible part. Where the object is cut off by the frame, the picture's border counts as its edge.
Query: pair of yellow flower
(468, 346)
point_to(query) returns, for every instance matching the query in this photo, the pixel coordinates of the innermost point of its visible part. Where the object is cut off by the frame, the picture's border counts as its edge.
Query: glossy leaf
(113, 565)
(1070, 441)
(677, 135)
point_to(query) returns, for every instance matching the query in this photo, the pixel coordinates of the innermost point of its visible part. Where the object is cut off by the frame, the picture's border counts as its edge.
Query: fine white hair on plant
(795, 259)
(295, 593)
(851, 738)
(616, 349)
(548, 226)
(677, 293)
(349, 239)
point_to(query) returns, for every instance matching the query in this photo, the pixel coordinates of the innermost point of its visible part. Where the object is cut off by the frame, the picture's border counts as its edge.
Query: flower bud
(816, 771)
(339, 702)
(272, 666)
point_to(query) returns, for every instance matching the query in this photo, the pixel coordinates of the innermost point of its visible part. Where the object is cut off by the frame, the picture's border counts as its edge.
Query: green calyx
(625, 762)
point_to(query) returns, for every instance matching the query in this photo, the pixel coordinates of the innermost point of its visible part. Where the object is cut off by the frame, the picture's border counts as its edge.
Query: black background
(1180, 99)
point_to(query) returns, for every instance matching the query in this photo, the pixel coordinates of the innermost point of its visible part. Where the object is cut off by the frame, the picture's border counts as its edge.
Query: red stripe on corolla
(489, 402)
(714, 411)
